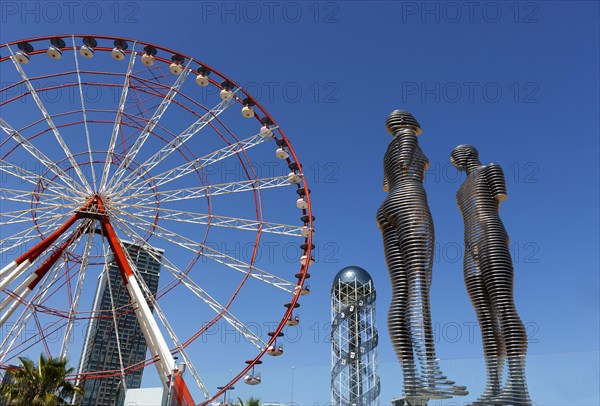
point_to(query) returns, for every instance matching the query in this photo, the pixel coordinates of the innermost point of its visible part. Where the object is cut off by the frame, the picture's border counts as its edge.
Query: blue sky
(519, 80)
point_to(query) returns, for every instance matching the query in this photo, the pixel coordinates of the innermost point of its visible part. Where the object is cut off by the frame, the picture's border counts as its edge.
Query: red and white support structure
(87, 216)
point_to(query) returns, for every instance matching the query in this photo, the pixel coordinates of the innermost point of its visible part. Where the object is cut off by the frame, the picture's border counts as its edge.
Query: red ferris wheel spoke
(9, 344)
(24, 216)
(27, 286)
(14, 269)
(25, 196)
(51, 124)
(33, 178)
(40, 156)
(23, 237)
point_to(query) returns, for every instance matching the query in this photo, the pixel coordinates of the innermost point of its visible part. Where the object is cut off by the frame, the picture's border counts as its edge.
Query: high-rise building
(103, 341)
(7, 379)
(354, 338)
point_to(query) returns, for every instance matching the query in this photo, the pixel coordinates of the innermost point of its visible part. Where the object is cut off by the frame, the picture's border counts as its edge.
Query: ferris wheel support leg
(27, 286)
(181, 393)
(154, 338)
(16, 268)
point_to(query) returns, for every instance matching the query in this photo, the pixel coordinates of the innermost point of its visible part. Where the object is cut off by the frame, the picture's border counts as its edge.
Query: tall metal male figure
(488, 273)
(406, 225)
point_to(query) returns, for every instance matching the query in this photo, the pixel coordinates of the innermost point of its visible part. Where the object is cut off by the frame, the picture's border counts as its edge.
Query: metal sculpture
(405, 222)
(354, 338)
(488, 273)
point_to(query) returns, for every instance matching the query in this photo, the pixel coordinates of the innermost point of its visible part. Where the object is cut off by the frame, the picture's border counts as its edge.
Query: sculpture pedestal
(410, 401)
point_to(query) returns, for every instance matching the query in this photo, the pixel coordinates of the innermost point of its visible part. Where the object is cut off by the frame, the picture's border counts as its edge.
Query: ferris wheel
(142, 189)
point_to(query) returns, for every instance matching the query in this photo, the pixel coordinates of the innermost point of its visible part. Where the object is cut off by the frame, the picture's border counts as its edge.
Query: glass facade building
(103, 341)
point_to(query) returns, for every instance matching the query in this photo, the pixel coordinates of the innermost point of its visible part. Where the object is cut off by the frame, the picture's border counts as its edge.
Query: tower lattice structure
(354, 373)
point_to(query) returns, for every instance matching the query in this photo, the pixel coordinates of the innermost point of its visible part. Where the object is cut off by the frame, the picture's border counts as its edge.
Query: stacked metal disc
(488, 273)
(406, 225)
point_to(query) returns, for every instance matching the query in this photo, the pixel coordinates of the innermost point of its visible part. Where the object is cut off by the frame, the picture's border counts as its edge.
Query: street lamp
(225, 392)
(292, 401)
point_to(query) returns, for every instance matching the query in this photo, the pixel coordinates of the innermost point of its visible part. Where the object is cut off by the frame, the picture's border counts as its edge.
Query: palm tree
(44, 384)
(253, 402)
(250, 402)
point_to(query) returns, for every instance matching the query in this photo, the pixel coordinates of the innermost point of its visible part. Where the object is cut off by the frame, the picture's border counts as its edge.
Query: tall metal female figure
(405, 223)
(488, 273)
